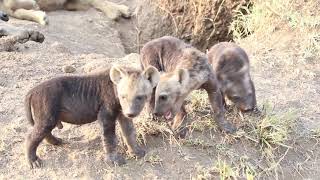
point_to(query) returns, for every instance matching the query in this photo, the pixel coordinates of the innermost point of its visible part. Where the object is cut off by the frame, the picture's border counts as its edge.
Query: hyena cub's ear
(116, 74)
(152, 74)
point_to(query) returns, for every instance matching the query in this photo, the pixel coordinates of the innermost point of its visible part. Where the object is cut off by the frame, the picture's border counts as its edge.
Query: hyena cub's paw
(181, 133)
(227, 127)
(35, 163)
(54, 140)
(115, 159)
(138, 152)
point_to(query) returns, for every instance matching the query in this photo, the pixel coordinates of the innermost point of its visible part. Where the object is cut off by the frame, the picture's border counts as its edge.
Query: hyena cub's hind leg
(32, 142)
(51, 139)
(112, 10)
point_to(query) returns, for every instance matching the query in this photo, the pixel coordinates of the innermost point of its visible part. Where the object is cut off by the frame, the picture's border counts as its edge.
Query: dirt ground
(81, 38)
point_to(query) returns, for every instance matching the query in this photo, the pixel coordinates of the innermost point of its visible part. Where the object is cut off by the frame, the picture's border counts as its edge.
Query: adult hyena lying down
(231, 64)
(33, 10)
(185, 69)
(114, 94)
(10, 35)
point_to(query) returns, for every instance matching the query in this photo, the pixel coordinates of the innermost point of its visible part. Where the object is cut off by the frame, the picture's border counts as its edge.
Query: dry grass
(202, 23)
(223, 170)
(154, 159)
(265, 17)
(269, 132)
(193, 11)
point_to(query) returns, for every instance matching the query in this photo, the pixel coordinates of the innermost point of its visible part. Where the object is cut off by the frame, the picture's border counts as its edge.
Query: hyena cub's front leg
(108, 122)
(217, 106)
(179, 123)
(129, 136)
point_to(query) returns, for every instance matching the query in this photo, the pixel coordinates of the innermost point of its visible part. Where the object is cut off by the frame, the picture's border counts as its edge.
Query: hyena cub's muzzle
(247, 104)
(4, 16)
(135, 107)
(164, 107)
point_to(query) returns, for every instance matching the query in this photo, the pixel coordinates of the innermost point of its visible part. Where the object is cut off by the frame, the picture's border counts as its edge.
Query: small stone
(59, 47)
(132, 57)
(95, 65)
(69, 69)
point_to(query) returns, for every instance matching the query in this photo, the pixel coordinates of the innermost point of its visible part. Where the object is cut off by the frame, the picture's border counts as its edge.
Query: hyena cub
(232, 67)
(113, 94)
(185, 69)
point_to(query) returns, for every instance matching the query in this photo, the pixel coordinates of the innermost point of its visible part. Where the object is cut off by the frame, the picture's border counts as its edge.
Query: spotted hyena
(113, 94)
(184, 69)
(34, 10)
(231, 64)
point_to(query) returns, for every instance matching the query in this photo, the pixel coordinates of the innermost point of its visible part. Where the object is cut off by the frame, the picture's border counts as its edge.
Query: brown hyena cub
(185, 69)
(231, 64)
(113, 94)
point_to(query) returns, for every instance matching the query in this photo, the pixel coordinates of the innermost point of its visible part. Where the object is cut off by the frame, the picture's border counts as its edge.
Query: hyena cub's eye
(236, 98)
(140, 98)
(163, 97)
(123, 96)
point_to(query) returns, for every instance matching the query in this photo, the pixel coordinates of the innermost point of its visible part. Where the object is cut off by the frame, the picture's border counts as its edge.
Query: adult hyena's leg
(31, 15)
(112, 10)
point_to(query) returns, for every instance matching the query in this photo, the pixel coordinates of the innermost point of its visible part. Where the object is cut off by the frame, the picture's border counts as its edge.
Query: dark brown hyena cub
(185, 69)
(231, 64)
(114, 94)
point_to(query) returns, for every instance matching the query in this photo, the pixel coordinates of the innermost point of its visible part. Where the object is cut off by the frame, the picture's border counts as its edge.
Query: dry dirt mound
(202, 23)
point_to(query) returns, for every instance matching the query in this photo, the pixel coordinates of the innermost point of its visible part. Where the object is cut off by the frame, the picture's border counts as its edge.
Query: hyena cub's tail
(27, 106)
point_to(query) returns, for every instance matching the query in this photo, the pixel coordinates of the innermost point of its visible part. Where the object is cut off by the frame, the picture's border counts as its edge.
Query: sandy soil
(79, 38)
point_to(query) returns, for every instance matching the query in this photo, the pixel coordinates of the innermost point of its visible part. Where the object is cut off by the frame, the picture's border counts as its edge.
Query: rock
(95, 65)
(68, 69)
(133, 59)
(59, 47)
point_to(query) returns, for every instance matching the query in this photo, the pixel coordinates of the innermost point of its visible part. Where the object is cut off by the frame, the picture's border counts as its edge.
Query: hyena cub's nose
(156, 113)
(247, 108)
